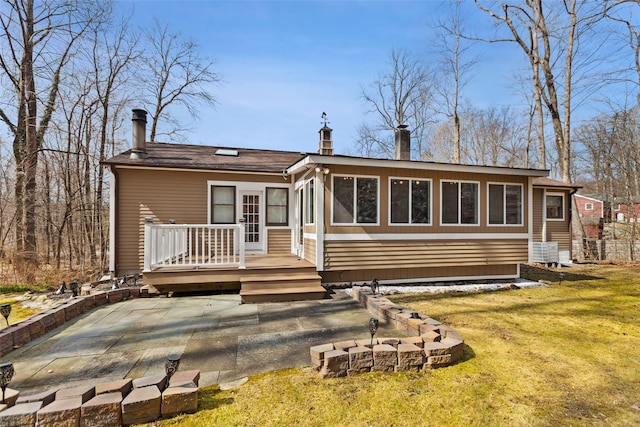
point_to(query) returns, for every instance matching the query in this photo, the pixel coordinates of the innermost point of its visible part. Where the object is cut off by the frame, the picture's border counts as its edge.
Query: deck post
(148, 222)
(240, 241)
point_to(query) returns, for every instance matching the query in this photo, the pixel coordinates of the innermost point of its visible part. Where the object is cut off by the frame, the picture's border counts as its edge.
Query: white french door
(252, 213)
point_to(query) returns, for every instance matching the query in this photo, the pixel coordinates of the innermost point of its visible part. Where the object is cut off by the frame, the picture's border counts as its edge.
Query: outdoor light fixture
(5, 310)
(373, 328)
(324, 170)
(171, 366)
(62, 288)
(6, 374)
(74, 285)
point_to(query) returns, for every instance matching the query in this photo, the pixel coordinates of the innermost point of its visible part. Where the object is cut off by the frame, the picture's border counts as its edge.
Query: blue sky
(285, 62)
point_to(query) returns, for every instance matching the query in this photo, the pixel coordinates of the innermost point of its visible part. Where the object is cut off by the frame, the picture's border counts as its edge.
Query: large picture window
(459, 203)
(355, 200)
(410, 201)
(223, 204)
(555, 206)
(505, 204)
(277, 206)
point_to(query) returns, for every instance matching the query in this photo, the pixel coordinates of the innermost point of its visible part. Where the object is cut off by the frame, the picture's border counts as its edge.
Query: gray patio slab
(217, 334)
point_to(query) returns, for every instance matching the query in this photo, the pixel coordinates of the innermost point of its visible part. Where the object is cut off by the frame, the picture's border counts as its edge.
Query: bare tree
(399, 96)
(38, 43)
(549, 38)
(455, 68)
(175, 74)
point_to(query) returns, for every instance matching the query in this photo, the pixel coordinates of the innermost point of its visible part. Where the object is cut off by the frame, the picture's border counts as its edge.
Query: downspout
(529, 218)
(571, 193)
(113, 221)
(544, 215)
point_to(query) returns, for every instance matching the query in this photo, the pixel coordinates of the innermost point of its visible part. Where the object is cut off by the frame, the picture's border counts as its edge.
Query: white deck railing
(193, 245)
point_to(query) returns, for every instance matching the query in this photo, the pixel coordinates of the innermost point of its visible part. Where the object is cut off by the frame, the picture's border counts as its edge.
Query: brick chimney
(139, 134)
(403, 143)
(325, 146)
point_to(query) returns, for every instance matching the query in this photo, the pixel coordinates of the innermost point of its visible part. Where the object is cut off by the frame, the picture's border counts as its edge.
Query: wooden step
(281, 287)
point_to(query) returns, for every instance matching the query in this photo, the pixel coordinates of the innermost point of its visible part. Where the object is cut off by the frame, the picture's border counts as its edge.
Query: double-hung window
(410, 201)
(277, 206)
(505, 204)
(355, 200)
(459, 203)
(555, 206)
(223, 204)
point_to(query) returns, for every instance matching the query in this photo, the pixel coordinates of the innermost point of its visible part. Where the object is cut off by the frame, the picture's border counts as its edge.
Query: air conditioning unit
(545, 252)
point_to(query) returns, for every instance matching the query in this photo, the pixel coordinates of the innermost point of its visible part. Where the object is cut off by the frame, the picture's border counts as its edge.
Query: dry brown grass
(556, 356)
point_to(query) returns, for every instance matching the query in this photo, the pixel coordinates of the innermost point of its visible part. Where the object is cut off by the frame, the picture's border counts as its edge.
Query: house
(589, 207)
(277, 224)
(626, 212)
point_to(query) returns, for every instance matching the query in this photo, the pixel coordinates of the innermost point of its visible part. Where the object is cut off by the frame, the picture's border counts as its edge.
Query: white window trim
(504, 224)
(588, 206)
(355, 200)
(307, 200)
(459, 181)
(564, 201)
(411, 224)
(251, 186)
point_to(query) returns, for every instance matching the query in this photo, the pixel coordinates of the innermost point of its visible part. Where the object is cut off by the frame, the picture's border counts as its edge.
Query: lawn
(567, 354)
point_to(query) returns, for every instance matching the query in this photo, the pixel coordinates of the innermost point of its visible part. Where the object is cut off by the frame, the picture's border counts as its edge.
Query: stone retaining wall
(430, 344)
(115, 403)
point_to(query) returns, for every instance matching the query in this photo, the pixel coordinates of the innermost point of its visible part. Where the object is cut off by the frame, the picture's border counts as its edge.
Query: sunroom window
(355, 200)
(459, 203)
(505, 204)
(410, 201)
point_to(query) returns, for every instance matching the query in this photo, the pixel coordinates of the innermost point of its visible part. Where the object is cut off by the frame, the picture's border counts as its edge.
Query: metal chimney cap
(139, 114)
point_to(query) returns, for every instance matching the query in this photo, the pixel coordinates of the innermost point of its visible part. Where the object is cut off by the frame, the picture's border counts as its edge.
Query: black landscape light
(375, 287)
(62, 288)
(5, 310)
(74, 285)
(6, 374)
(373, 328)
(171, 365)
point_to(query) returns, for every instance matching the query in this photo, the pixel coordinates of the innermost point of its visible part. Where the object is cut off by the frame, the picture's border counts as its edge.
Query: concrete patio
(216, 334)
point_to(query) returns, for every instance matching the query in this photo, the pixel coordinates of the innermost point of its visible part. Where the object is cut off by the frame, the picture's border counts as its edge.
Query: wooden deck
(266, 278)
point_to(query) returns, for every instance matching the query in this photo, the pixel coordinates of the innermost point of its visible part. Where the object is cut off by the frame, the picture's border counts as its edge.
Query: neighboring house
(591, 211)
(276, 224)
(626, 212)
(589, 207)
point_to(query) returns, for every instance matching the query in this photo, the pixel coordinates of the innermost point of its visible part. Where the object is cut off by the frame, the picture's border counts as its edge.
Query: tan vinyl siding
(349, 255)
(436, 177)
(425, 273)
(310, 251)
(278, 241)
(162, 195)
(557, 231)
(538, 215)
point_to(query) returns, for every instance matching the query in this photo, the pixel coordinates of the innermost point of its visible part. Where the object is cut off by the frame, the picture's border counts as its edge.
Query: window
(459, 202)
(555, 206)
(355, 200)
(277, 206)
(309, 217)
(505, 204)
(588, 206)
(223, 205)
(410, 201)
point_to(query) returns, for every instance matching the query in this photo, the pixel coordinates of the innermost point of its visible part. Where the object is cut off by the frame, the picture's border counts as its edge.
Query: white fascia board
(313, 159)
